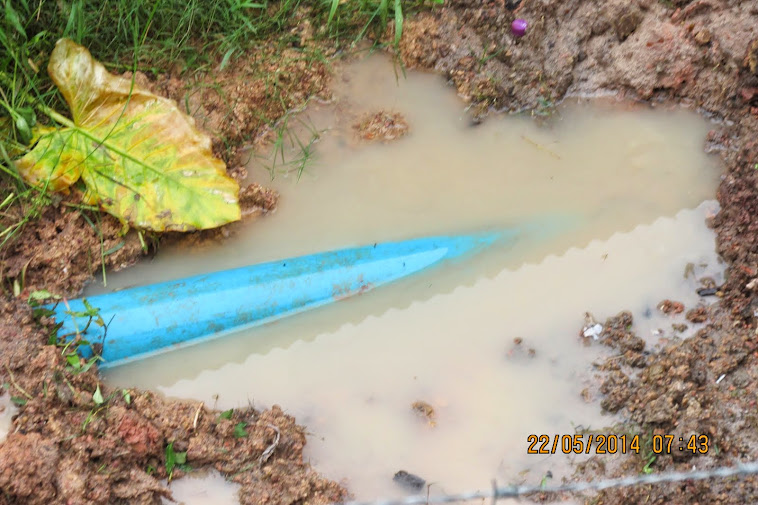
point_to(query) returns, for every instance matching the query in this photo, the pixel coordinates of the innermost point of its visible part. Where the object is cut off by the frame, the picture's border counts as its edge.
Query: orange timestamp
(593, 443)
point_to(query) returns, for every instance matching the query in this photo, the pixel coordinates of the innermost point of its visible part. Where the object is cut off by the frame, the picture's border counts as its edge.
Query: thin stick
(541, 147)
(197, 416)
(15, 384)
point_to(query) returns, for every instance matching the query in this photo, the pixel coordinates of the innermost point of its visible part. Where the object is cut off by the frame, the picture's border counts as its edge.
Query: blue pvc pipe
(152, 319)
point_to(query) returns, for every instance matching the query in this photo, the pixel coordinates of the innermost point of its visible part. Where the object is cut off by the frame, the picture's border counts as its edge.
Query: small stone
(708, 282)
(627, 23)
(681, 328)
(703, 37)
(423, 409)
(748, 94)
(707, 291)
(671, 307)
(411, 482)
(751, 57)
(593, 331)
(697, 315)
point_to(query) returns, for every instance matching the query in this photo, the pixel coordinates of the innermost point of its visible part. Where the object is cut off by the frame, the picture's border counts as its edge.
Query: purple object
(518, 27)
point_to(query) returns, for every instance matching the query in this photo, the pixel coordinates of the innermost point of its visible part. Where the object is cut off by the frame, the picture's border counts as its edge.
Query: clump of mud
(381, 125)
(69, 445)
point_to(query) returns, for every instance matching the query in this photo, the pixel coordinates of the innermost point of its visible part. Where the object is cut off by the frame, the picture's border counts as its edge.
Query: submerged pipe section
(148, 320)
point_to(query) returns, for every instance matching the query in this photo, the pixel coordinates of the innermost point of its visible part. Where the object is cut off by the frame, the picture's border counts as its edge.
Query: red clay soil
(64, 447)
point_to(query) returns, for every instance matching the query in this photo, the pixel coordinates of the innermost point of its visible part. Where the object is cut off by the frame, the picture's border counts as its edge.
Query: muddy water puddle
(625, 190)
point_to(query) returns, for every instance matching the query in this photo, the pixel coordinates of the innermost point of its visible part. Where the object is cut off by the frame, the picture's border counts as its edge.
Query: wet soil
(381, 125)
(68, 445)
(65, 448)
(702, 54)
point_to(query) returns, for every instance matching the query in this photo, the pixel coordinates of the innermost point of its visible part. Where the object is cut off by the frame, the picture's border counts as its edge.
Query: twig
(197, 415)
(540, 147)
(15, 384)
(271, 448)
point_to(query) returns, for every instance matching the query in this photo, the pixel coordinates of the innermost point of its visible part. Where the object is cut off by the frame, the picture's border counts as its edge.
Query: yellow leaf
(141, 158)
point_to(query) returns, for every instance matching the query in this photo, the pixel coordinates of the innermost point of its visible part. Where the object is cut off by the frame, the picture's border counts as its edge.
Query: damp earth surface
(617, 195)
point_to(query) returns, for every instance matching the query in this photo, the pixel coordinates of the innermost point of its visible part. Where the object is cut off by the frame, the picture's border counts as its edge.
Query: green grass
(152, 36)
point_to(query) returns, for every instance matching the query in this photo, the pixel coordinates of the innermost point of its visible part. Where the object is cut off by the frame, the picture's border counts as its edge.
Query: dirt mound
(77, 440)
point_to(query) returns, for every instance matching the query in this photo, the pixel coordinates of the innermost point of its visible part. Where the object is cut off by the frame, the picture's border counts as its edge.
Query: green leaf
(18, 400)
(227, 414)
(41, 295)
(89, 311)
(97, 396)
(398, 21)
(170, 459)
(73, 360)
(39, 312)
(225, 59)
(239, 430)
(174, 459)
(23, 129)
(141, 158)
(28, 114)
(332, 11)
(127, 397)
(89, 363)
(11, 16)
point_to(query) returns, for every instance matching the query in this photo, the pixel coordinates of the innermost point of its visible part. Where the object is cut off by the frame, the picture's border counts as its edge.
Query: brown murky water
(633, 181)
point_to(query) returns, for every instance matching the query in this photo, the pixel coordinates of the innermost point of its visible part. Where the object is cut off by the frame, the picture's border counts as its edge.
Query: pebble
(707, 291)
(409, 481)
(671, 307)
(703, 37)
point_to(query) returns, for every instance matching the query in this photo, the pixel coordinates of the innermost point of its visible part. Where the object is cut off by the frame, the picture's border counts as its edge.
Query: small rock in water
(707, 291)
(409, 481)
(517, 350)
(518, 27)
(593, 331)
(382, 125)
(591, 328)
(424, 410)
(697, 315)
(708, 282)
(671, 307)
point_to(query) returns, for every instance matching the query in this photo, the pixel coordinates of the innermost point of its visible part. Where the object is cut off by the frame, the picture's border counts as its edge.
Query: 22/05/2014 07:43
(612, 444)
